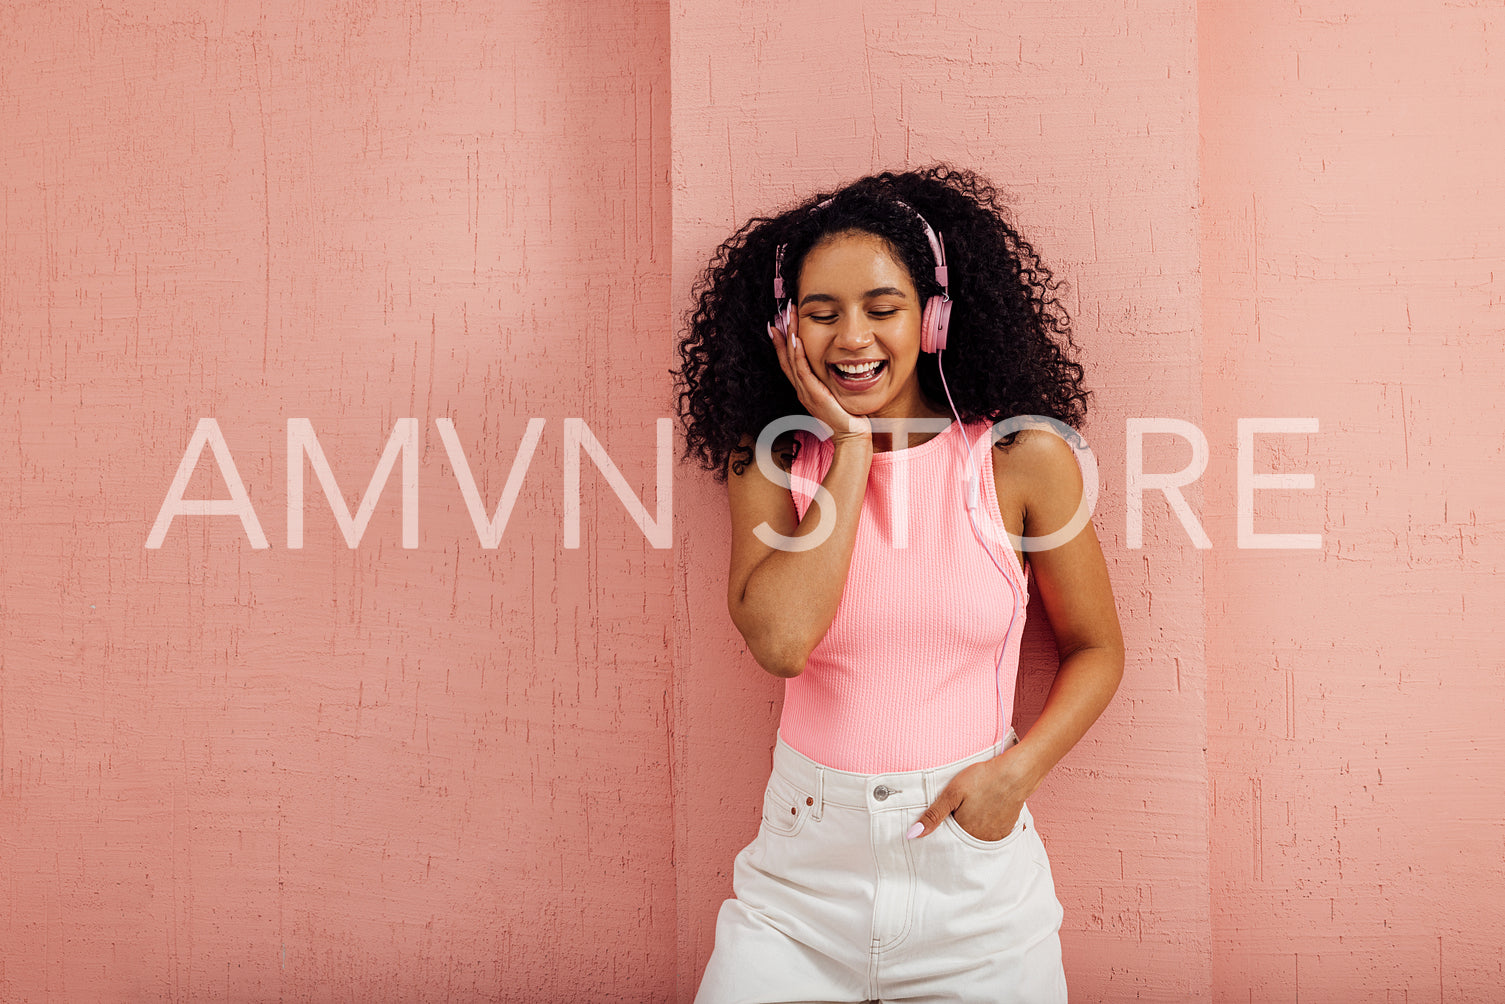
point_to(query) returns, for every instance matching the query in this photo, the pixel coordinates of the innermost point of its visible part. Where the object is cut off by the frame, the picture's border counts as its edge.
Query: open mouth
(860, 380)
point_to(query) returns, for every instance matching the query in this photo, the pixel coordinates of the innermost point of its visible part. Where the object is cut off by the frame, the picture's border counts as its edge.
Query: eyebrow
(828, 298)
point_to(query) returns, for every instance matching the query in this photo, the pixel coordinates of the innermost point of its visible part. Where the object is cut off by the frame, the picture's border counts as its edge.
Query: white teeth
(861, 370)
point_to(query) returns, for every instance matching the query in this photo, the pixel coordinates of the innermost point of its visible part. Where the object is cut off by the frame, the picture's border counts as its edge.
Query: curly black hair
(1009, 348)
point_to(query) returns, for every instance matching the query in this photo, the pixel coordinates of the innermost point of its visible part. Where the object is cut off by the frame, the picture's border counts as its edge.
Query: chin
(849, 401)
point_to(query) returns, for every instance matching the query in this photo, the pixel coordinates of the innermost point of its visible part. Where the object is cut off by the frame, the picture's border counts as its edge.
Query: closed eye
(831, 318)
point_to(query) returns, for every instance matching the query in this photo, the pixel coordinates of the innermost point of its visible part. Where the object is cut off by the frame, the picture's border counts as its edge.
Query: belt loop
(820, 791)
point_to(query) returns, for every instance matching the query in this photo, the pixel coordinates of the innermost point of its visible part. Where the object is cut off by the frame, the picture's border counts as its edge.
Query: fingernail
(772, 333)
(915, 830)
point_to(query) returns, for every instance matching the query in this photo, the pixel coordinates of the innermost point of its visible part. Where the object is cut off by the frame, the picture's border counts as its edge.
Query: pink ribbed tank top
(904, 678)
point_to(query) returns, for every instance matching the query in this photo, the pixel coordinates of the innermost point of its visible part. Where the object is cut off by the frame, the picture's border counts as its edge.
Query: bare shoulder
(755, 494)
(1071, 576)
(1039, 468)
(784, 450)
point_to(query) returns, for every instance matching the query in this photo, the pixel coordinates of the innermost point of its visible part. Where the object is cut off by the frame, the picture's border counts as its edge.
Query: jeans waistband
(907, 789)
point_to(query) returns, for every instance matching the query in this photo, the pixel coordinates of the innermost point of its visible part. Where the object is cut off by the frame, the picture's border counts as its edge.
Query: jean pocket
(1012, 837)
(786, 805)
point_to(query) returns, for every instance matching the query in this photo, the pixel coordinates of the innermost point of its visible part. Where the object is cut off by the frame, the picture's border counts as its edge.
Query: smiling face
(859, 322)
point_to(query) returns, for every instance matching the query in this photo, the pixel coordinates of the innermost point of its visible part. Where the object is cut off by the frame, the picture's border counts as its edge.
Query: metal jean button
(883, 791)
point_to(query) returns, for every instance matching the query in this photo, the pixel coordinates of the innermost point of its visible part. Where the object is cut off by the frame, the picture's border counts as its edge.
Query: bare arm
(1072, 583)
(783, 602)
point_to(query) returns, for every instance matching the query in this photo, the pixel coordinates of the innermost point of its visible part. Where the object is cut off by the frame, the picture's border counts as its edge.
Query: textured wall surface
(1354, 271)
(1086, 114)
(368, 773)
(355, 769)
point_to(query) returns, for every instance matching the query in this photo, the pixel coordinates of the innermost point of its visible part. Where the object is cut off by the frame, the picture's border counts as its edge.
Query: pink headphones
(935, 319)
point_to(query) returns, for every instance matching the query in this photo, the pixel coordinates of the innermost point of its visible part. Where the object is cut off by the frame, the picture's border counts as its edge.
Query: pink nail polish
(915, 830)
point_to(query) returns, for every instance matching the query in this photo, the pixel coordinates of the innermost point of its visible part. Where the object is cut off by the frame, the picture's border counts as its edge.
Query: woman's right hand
(814, 395)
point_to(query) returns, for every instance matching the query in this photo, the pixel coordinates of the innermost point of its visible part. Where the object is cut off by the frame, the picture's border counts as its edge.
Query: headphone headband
(937, 249)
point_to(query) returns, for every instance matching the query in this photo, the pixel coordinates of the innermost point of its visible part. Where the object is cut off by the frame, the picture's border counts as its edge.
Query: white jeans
(833, 903)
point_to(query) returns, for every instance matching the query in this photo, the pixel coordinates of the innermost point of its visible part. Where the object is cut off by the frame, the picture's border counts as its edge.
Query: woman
(897, 859)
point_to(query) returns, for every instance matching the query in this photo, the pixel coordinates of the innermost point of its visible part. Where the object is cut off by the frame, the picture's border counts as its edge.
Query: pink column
(1352, 252)
(335, 772)
(1101, 166)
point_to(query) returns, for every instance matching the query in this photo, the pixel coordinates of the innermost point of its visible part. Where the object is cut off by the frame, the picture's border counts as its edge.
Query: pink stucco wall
(368, 773)
(520, 773)
(1092, 129)
(1353, 266)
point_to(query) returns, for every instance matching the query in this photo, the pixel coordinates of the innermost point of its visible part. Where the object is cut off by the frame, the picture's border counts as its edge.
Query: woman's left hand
(986, 799)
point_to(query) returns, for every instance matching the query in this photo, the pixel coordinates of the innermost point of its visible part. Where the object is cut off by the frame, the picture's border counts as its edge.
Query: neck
(901, 432)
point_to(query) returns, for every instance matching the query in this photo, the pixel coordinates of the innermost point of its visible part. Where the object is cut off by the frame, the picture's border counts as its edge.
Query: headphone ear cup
(933, 324)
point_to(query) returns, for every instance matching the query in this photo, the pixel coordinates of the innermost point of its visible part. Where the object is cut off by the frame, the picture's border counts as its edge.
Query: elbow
(1110, 656)
(774, 650)
(1104, 663)
(786, 670)
(1114, 669)
(780, 661)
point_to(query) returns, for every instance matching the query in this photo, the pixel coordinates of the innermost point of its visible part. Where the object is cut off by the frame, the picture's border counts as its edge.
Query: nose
(854, 332)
